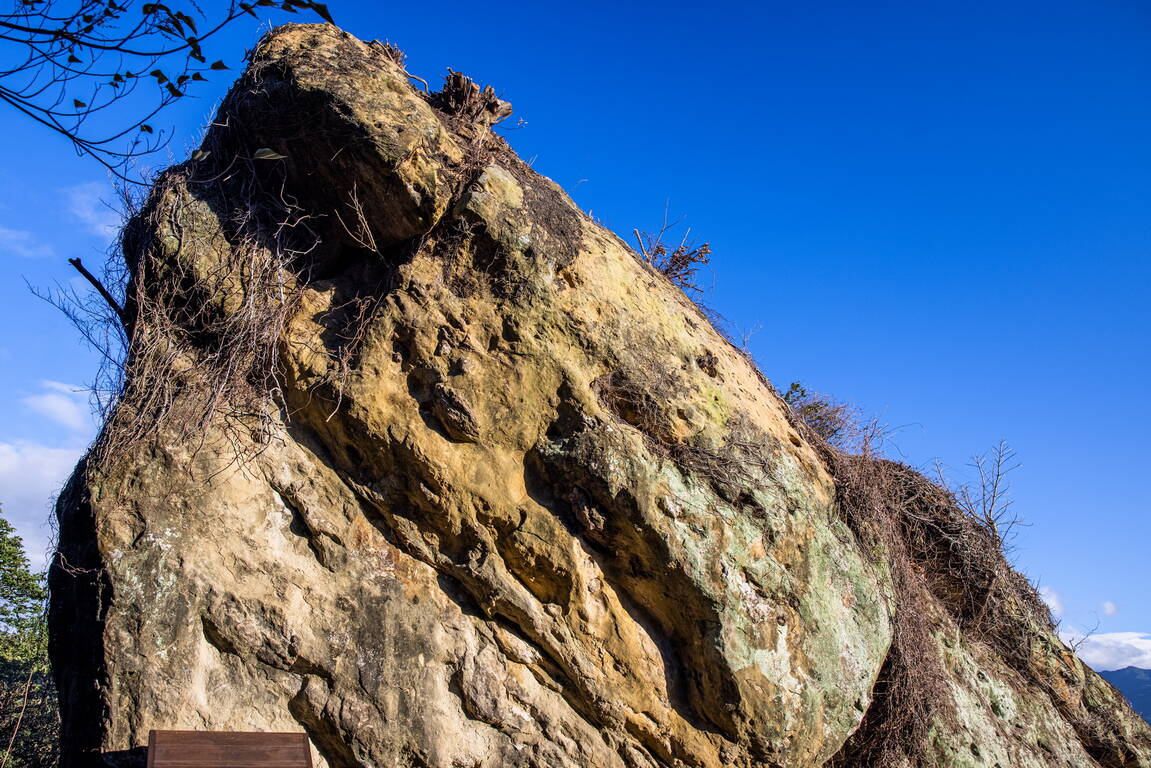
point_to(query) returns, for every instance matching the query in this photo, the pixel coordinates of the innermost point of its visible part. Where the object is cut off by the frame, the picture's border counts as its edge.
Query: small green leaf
(183, 79)
(160, 76)
(78, 104)
(199, 78)
(176, 92)
(218, 65)
(267, 154)
(246, 8)
(146, 128)
(73, 58)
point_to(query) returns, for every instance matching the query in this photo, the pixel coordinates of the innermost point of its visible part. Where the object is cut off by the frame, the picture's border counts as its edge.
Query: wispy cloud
(1109, 608)
(1054, 602)
(26, 245)
(64, 404)
(86, 203)
(32, 472)
(30, 476)
(1112, 650)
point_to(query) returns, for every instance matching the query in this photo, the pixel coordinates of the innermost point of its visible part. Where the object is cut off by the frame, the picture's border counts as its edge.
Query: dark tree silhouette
(99, 71)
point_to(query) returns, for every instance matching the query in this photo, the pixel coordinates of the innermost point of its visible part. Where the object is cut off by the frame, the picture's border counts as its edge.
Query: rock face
(417, 458)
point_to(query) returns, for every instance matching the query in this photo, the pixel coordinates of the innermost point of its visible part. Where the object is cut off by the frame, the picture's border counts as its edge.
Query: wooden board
(228, 749)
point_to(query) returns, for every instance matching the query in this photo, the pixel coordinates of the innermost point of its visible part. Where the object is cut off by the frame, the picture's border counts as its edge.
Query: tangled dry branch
(205, 307)
(678, 264)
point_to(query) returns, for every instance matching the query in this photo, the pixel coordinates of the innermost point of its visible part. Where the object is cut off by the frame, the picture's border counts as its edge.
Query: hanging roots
(208, 299)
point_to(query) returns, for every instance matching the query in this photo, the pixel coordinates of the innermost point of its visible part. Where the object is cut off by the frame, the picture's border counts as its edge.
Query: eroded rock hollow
(414, 456)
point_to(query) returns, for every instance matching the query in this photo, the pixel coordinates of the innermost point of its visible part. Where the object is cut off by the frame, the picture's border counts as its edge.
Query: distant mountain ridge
(1135, 684)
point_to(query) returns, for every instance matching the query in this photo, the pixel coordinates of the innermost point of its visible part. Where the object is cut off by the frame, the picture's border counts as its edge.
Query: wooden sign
(227, 749)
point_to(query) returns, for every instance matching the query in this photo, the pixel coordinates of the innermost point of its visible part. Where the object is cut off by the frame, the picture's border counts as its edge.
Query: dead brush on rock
(678, 264)
(911, 692)
(832, 420)
(946, 562)
(945, 550)
(202, 334)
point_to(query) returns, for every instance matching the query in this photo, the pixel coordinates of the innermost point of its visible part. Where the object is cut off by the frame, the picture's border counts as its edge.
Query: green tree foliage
(29, 723)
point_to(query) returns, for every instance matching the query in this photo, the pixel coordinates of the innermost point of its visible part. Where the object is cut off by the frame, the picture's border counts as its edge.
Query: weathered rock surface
(511, 500)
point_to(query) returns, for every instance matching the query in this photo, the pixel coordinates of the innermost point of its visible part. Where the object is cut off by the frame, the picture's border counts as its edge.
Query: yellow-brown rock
(435, 469)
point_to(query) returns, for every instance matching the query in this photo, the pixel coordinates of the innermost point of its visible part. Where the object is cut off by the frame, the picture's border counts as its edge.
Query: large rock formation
(416, 457)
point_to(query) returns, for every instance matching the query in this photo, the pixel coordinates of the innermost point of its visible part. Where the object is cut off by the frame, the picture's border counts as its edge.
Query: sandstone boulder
(416, 457)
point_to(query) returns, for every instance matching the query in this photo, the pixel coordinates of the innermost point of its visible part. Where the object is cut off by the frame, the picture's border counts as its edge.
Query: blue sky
(940, 212)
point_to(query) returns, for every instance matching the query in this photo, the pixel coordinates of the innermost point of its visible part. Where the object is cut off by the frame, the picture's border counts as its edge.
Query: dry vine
(678, 264)
(205, 308)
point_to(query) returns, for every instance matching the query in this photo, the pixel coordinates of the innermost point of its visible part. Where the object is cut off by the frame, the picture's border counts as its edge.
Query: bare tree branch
(76, 67)
(988, 500)
(104, 294)
(1078, 640)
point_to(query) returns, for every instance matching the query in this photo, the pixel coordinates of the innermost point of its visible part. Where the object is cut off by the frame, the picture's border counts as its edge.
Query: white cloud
(86, 203)
(1051, 597)
(24, 244)
(31, 472)
(1112, 650)
(30, 476)
(63, 404)
(1109, 608)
